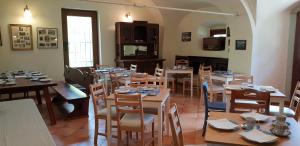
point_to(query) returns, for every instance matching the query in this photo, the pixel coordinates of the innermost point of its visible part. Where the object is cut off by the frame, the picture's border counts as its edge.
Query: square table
(219, 137)
(277, 96)
(157, 102)
(179, 71)
(25, 85)
(21, 124)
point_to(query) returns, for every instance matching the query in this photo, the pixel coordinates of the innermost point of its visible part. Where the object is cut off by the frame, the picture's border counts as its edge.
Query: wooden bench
(76, 102)
(74, 92)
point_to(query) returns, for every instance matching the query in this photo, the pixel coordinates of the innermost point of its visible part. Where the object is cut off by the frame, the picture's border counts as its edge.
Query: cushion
(134, 120)
(103, 112)
(216, 105)
(274, 110)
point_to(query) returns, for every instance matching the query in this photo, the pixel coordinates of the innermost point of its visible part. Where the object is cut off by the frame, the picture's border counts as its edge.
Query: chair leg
(127, 138)
(173, 86)
(119, 137)
(152, 133)
(183, 87)
(142, 138)
(204, 125)
(96, 131)
(137, 135)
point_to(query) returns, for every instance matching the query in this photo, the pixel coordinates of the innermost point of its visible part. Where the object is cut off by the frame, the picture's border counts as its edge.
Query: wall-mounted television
(214, 43)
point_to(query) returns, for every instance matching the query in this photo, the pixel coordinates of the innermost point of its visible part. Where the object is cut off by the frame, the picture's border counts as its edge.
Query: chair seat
(274, 110)
(216, 105)
(103, 112)
(134, 120)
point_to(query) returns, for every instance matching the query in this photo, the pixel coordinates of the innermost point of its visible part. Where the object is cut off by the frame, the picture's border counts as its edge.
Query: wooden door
(296, 60)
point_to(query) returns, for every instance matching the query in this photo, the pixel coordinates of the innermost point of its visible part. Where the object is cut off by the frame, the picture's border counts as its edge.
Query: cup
(281, 119)
(250, 123)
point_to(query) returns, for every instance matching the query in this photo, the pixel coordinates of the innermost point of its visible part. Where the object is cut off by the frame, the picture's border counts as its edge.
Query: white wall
(270, 62)
(47, 13)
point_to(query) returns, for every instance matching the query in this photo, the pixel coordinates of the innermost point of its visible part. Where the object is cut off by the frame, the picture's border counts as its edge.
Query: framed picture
(47, 38)
(0, 38)
(240, 44)
(186, 36)
(21, 37)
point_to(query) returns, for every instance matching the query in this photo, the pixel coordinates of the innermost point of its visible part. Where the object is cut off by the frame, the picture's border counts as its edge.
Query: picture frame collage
(21, 37)
(47, 38)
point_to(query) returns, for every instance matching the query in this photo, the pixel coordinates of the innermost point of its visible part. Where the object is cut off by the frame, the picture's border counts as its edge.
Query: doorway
(80, 38)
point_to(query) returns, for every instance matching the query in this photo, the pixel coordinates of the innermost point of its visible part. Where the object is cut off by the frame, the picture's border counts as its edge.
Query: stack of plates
(45, 80)
(122, 90)
(257, 116)
(258, 136)
(223, 124)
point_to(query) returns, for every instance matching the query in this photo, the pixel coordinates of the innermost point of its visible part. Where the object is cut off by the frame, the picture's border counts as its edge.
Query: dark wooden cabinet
(137, 43)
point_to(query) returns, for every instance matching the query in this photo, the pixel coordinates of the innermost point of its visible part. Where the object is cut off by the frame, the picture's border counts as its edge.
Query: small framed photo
(47, 38)
(21, 37)
(240, 44)
(186, 36)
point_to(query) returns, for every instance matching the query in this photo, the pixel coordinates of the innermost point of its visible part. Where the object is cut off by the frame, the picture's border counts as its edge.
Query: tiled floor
(80, 132)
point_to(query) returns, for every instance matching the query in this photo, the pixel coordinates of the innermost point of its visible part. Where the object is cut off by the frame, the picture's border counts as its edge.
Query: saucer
(285, 134)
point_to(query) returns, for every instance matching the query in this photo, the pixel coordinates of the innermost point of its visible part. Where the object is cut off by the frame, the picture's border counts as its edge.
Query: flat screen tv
(214, 43)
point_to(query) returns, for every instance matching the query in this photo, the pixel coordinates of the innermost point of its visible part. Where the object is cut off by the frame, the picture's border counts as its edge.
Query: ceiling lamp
(27, 13)
(128, 17)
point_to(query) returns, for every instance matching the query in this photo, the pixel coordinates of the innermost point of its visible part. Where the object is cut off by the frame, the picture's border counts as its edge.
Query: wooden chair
(134, 119)
(210, 106)
(133, 67)
(294, 108)
(98, 95)
(205, 76)
(182, 62)
(139, 79)
(244, 78)
(175, 126)
(262, 99)
(158, 77)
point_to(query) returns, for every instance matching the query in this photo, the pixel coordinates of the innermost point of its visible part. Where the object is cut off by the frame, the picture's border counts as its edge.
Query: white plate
(11, 83)
(223, 124)
(257, 116)
(122, 91)
(45, 80)
(258, 136)
(233, 87)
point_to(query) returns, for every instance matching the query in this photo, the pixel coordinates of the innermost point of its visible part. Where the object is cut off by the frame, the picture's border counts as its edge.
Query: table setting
(150, 90)
(255, 127)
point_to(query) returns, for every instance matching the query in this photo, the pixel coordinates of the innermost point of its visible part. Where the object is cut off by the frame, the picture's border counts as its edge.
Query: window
(80, 36)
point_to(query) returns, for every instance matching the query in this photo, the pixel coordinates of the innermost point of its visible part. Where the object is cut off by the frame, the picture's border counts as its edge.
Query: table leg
(108, 137)
(166, 80)
(167, 108)
(192, 84)
(49, 106)
(38, 96)
(159, 125)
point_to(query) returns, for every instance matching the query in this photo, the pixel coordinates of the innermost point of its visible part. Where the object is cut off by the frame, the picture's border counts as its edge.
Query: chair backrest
(139, 79)
(262, 98)
(182, 62)
(98, 95)
(244, 77)
(295, 105)
(133, 67)
(129, 104)
(205, 68)
(175, 126)
(237, 82)
(205, 96)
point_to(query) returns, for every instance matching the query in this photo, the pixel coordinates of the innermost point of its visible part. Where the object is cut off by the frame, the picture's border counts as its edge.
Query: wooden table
(277, 97)
(24, 85)
(148, 101)
(179, 71)
(214, 136)
(22, 125)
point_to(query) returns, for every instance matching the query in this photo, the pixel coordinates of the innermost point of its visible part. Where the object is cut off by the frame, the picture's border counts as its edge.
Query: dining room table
(21, 124)
(22, 84)
(160, 102)
(276, 96)
(176, 70)
(216, 137)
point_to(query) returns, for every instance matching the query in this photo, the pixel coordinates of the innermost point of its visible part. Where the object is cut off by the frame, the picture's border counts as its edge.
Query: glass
(80, 41)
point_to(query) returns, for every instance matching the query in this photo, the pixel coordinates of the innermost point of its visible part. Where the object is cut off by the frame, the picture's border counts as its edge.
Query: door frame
(76, 12)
